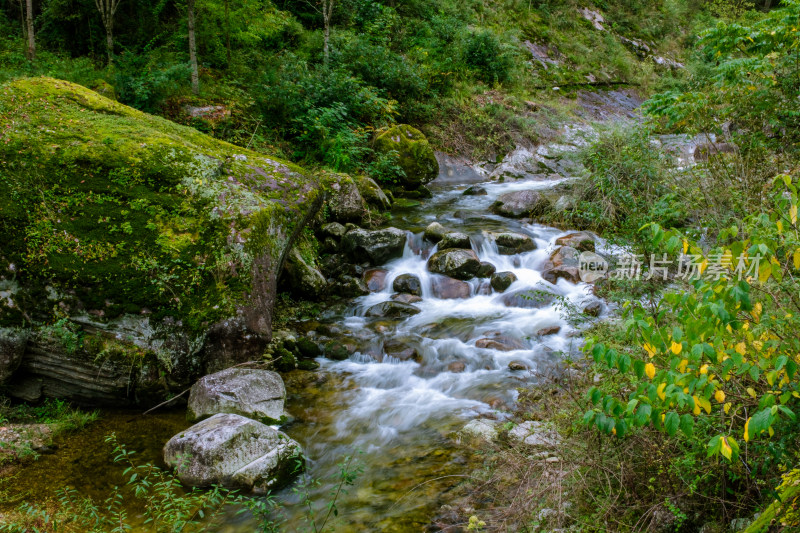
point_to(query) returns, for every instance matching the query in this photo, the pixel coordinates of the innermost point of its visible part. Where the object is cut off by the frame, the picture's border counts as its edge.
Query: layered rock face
(159, 245)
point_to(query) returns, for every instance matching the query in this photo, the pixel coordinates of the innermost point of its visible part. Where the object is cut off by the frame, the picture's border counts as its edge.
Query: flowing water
(399, 416)
(403, 415)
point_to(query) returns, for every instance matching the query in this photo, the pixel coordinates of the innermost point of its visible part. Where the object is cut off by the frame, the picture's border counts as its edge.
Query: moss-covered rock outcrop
(414, 154)
(106, 212)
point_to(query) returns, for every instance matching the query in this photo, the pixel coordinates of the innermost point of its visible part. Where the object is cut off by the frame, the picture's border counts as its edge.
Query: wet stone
(407, 284)
(375, 279)
(486, 270)
(513, 243)
(391, 309)
(516, 366)
(593, 309)
(446, 288)
(552, 330)
(569, 273)
(503, 280)
(565, 256)
(434, 232)
(456, 367)
(455, 240)
(581, 241)
(535, 298)
(406, 298)
(459, 264)
(475, 190)
(502, 344)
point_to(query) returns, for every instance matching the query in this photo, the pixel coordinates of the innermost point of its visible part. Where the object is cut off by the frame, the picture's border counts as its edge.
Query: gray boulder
(455, 240)
(435, 232)
(486, 270)
(565, 256)
(345, 203)
(256, 394)
(475, 190)
(513, 243)
(580, 240)
(12, 347)
(459, 264)
(569, 273)
(303, 278)
(377, 246)
(520, 204)
(372, 193)
(235, 452)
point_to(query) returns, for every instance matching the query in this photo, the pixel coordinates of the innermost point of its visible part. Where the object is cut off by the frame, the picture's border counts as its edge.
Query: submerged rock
(376, 246)
(256, 394)
(375, 279)
(446, 288)
(509, 243)
(520, 204)
(475, 190)
(235, 452)
(503, 280)
(406, 298)
(551, 330)
(516, 366)
(392, 309)
(455, 240)
(407, 284)
(414, 153)
(459, 264)
(529, 298)
(502, 344)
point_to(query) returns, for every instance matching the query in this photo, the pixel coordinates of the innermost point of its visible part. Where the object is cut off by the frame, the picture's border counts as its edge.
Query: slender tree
(107, 9)
(327, 13)
(29, 30)
(193, 49)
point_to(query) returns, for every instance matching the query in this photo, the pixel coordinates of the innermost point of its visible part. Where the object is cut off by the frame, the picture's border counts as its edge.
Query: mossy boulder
(122, 213)
(414, 154)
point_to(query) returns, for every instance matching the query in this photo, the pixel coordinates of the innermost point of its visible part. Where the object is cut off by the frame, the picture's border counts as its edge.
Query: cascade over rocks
(414, 153)
(459, 264)
(374, 246)
(256, 394)
(233, 451)
(519, 204)
(214, 216)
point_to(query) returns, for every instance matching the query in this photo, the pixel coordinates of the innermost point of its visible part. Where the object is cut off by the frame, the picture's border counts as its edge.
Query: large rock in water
(376, 247)
(179, 234)
(256, 394)
(235, 452)
(520, 204)
(455, 263)
(414, 153)
(509, 243)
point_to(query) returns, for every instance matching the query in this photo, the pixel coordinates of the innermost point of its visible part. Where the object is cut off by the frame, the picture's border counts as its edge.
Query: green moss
(126, 210)
(415, 155)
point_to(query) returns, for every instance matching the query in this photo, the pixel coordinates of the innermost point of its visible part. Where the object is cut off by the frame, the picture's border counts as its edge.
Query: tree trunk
(193, 50)
(327, 11)
(29, 26)
(110, 43)
(228, 31)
